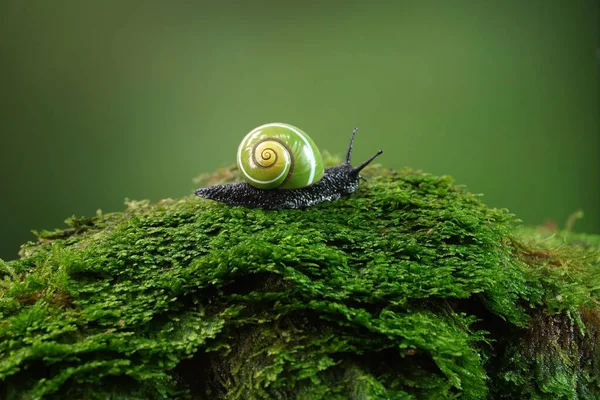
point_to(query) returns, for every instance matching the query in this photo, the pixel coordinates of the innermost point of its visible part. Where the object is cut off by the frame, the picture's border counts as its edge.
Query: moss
(410, 289)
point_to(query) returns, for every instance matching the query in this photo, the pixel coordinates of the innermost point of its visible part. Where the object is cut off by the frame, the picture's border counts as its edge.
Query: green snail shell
(278, 155)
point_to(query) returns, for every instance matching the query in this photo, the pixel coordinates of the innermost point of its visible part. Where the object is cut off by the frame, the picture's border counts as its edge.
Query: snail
(282, 168)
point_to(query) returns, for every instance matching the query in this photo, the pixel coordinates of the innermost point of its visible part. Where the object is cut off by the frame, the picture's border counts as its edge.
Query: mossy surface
(410, 289)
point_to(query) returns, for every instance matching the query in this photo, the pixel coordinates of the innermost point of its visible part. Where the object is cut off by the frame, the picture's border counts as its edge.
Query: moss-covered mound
(409, 289)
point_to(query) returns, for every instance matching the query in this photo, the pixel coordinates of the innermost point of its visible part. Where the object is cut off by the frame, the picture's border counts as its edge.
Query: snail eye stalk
(349, 153)
(364, 164)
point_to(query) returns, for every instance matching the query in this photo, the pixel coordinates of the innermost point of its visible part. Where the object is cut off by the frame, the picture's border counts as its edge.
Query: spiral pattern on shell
(279, 155)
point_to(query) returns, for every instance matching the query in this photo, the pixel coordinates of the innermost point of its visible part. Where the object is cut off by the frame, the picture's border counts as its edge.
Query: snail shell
(278, 155)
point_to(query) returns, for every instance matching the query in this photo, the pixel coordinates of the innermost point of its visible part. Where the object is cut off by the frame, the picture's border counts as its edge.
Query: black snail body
(334, 183)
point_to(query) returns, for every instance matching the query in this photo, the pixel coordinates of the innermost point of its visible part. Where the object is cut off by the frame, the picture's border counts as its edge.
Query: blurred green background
(107, 100)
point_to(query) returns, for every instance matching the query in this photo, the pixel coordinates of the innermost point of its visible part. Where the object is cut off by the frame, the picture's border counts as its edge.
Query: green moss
(410, 289)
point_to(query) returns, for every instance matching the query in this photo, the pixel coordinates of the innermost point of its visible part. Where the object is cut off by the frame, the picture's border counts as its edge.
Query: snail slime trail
(282, 168)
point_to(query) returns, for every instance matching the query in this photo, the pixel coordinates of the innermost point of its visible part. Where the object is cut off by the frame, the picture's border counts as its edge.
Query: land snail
(282, 168)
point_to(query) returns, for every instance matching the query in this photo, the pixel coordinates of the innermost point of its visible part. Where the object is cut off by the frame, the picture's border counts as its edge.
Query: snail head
(356, 170)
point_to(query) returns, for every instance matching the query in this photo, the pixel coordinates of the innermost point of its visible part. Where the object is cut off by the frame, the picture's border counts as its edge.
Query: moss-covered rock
(410, 289)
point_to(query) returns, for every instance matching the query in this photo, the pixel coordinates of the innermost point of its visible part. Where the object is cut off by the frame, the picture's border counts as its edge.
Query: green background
(107, 100)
